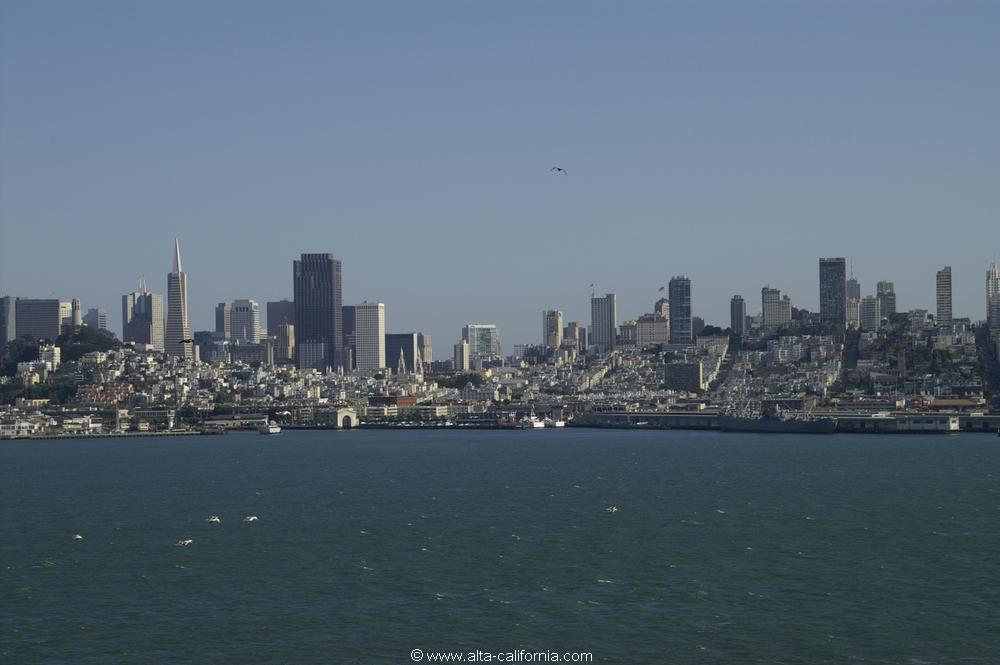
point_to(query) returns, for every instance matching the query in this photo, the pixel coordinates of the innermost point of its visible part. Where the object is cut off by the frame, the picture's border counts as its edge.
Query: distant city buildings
(775, 308)
(369, 336)
(484, 341)
(244, 321)
(319, 313)
(552, 328)
(681, 328)
(833, 292)
(402, 352)
(279, 312)
(870, 316)
(96, 318)
(178, 326)
(284, 345)
(39, 318)
(603, 322)
(223, 320)
(737, 315)
(576, 334)
(886, 294)
(993, 298)
(143, 318)
(462, 359)
(943, 292)
(8, 319)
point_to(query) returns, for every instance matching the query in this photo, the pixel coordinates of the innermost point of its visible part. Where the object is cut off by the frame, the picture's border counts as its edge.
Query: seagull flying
(250, 518)
(183, 543)
(77, 536)
(214, 519)
(612, 509)
(558, 170)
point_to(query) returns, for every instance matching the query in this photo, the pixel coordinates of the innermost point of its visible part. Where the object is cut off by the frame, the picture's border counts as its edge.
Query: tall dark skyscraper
(679, 291)
(8, 319)
(737, 315)
(279, 312)
(319, 337)
(833, 292)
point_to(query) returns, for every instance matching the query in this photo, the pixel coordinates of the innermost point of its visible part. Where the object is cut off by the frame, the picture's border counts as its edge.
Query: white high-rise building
(944, 296)
(178, 326)
(369, 336)
(552, 328)
(244, 321)
(993, 298)
(776, 310)
(484, 341)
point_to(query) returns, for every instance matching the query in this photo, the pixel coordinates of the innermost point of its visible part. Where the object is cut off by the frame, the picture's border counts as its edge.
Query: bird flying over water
(77, 536)
(558, 170)
(250, 518)
(214, 519)
(183, 543)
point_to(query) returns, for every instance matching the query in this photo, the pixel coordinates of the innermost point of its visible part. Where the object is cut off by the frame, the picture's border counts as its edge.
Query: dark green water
(725, 549)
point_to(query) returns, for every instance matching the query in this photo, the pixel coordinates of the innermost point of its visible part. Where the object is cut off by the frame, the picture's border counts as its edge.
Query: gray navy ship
(751, 418)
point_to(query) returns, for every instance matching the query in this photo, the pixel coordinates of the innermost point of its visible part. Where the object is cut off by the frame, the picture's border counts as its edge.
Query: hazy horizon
(732, 143)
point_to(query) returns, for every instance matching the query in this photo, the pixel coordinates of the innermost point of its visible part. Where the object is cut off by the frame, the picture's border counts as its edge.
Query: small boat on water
(270, 428)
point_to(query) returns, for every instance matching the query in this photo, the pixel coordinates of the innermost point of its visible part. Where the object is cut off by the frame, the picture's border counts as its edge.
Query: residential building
(681, 325)
(776, 309)
(993, 298)
(651, 330)
(943, 284)
(870, 316)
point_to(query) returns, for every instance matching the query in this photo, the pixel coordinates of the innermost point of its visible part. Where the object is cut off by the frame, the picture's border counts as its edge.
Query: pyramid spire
(177, 255)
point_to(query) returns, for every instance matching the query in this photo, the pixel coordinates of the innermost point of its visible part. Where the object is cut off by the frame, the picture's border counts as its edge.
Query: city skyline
(682, 153)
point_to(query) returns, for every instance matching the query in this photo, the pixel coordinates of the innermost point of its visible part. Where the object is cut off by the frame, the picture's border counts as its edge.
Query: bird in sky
(558, 170)
(187, 341)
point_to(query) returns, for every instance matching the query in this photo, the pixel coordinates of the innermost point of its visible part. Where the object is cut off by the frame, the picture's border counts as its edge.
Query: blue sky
(734, 142)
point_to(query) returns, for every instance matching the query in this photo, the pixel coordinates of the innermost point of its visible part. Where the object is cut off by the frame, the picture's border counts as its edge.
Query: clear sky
(734, 142)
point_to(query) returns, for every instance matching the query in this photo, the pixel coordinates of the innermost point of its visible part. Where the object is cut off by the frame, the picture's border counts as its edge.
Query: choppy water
(726, 548)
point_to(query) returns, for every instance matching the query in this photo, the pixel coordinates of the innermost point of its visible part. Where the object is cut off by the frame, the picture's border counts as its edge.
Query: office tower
(402, 349)
(852, 288)
(552, 328)
(96, 318)
(993, 298)
(426, 349)
(369, 336)
(737, 315)
(39, 319)
(143, 318)
(681, 329)
(776, 310)
(244, 321)
(870, 315)
(284, 347)
(65, 315)
(279, 312)
(574, 332)
(223, 320)
(462, 357)
(886, 295)
(318, 311)
(944, 296)
(8, 319)
(484, 341)
(178, 325)
(833, 292)
(603, 322)
(853, 313)
(662, 307)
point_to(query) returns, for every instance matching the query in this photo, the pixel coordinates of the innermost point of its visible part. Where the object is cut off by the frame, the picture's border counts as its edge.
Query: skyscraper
(776, 310)
(405, 346)
(993, 298)
(244, 321)
(284, 347)
(552, 328)
(681, 329)
(462, 361)
(143, 318)
(886, 294)
(178, 326)
(484, 341)
(278, 312)
(369, 336)
(603, 322)
(318, 311)
(737, 315)
(833, 292)
(8, 319)
(223, 320)
(96, 318)
(870, 318)
(944, 296)
(39, 319)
